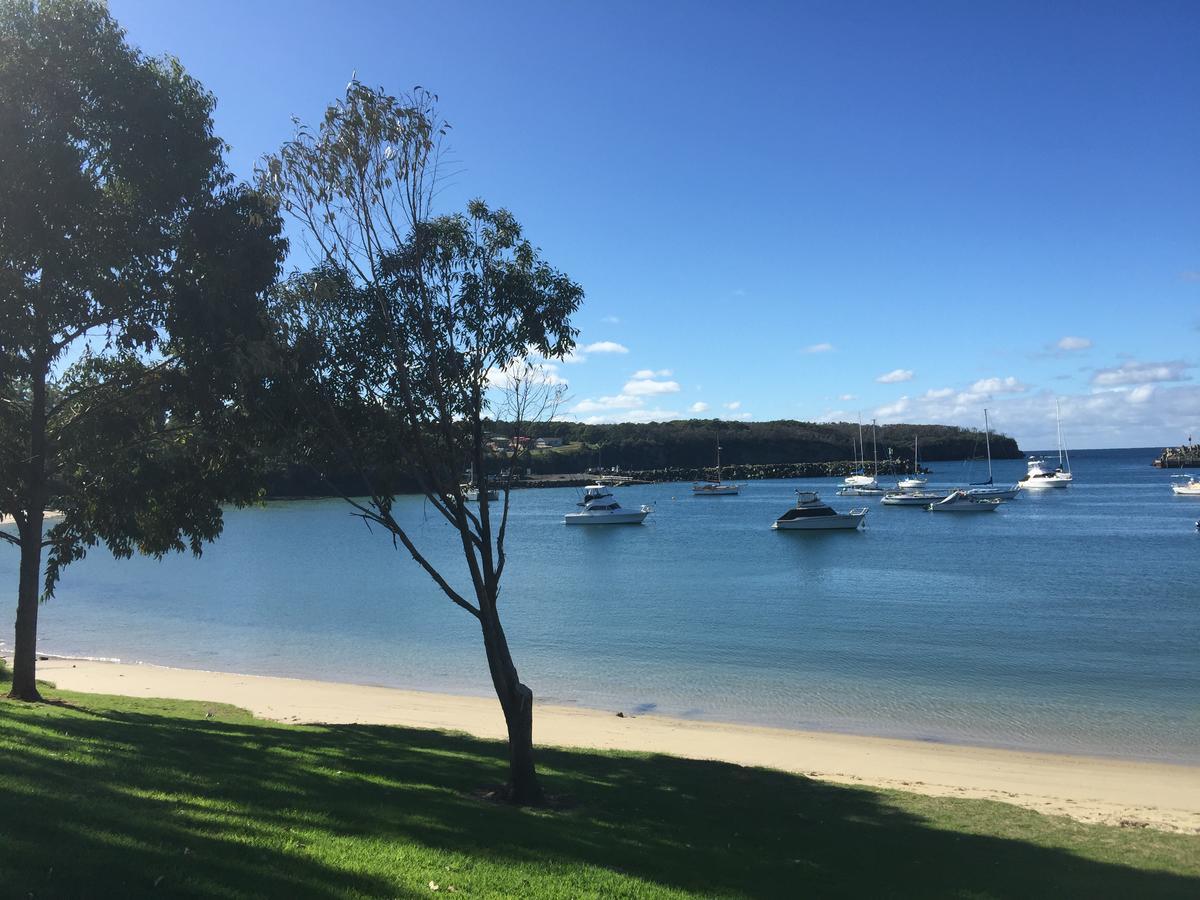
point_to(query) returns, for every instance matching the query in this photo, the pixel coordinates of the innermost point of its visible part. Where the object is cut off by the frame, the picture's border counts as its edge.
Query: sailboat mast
(718, 457)
(874, 451)
(862, 448)
(987, 439)
(1062, 448)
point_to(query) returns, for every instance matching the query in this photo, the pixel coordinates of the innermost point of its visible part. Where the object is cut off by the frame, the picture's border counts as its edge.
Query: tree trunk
(24, 682)
(516, 700)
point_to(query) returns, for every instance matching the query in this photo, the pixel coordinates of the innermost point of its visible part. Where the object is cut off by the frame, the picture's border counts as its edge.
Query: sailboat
(986, 490)
(863, 485)
(1039, 475)
(860, 479)
(715, 488)
(916, 482)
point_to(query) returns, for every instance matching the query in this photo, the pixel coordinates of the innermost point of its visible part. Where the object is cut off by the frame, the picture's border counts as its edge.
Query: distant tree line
(693, 443)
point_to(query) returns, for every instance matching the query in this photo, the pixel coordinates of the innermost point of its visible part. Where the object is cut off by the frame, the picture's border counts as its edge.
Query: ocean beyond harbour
(1066, 621)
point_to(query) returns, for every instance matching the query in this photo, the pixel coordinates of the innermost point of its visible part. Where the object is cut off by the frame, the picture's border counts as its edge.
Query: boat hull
(720, 490)
(994, 493)
(621, 517)
(1186, 490)
(840, 522)
(909, 484)
(1037, 484)
(972, 506)
(919, 499)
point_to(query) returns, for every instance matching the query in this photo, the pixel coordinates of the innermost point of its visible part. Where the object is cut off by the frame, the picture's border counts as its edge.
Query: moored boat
(915, 482)
(810, 514)
(1039, 474)
(961, 501)
(1187, 487)
(601, 508)
(716, 488)
(914, 498)
(987, 490)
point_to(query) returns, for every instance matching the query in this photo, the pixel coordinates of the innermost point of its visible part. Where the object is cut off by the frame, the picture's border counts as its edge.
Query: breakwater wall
(770, 470)
(1185, 457)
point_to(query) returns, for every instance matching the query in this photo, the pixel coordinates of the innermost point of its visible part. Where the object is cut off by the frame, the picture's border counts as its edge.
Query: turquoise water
(1066, 621)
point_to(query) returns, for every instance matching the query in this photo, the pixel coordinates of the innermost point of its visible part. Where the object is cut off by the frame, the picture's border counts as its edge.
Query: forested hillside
(693, 443)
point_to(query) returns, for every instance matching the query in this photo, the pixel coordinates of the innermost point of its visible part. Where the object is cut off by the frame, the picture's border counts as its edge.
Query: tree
(132, 283)
(399, 333)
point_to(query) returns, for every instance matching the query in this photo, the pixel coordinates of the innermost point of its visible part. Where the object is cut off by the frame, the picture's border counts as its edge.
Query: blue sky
(803, 210)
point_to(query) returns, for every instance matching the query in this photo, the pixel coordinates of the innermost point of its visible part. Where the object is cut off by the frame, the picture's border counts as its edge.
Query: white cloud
(891, 410)
(1074, 343)
(939, 393)
(1007, 385)
(606, 347)
(1141, 373)
(501, 379)
(736, 404)
(1141, 394)
(619, 401)
(611, 320)
(638, 415)
(573, 358)
(818, 348)
(652, 373)
(847, 397)
(896, 375)
(699, 407)
(642, 387)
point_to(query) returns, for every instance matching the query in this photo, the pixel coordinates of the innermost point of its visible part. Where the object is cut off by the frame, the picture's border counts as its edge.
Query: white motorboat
(987, 490)
(716, 488)
(810, 514)
(915, 483)
(1188, 488)
(1039, 474)
(960, 501)
(599, 507)
(914, 498)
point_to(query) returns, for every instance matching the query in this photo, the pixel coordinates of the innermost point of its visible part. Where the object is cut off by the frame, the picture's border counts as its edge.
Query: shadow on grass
(106, 800)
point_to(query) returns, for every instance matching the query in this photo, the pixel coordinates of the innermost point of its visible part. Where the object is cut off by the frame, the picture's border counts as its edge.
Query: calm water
(1068, 620)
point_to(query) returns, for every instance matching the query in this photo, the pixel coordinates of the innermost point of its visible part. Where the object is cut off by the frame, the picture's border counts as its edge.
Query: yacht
(599, 507)
(715, 488)
(916, 482)
(471, 493)
(860, 478)
(961, 501)
(810, 514)
(470, 488)
(1188, 488)
(914, 498)
(1039, 474)
(987, 490)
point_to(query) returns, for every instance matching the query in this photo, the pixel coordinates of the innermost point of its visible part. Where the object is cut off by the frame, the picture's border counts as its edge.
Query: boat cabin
(808, 505)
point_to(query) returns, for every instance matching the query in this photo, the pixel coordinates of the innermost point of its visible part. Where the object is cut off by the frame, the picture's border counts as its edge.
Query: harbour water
(1066, 621)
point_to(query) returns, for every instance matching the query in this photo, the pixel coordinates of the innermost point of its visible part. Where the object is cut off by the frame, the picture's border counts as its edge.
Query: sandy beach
(1090, 789)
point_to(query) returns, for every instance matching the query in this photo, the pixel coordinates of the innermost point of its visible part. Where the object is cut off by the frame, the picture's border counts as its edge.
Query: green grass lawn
(114, 797)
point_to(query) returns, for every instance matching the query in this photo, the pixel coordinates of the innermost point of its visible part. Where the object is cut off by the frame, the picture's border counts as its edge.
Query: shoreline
(1164, 796)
